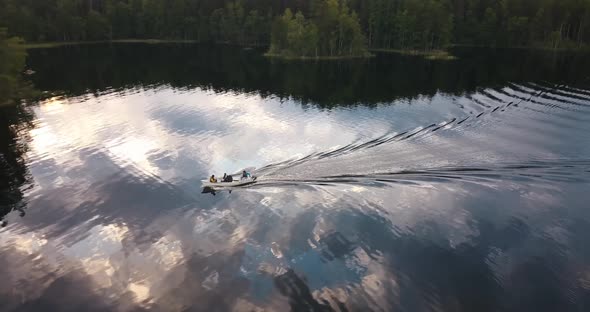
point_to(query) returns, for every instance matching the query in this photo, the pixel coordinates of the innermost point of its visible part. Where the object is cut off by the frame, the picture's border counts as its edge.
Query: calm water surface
(390, 184)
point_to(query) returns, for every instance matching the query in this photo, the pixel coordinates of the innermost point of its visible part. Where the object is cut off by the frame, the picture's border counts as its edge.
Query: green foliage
(79, 20)
(343, 26)
(294, 36)
(517, 30)
(489, 26)
(334, 31)
(12, 61)
(433, 24)
(256, 28)
(547, 23)
(410, 24)
(121, 20)
(97, 27)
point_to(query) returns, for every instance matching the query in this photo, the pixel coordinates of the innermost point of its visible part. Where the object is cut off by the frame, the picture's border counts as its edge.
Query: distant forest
(308, 27)
(12, 61)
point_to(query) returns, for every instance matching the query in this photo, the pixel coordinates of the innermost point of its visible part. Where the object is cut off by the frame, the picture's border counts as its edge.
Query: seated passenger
(212, 179)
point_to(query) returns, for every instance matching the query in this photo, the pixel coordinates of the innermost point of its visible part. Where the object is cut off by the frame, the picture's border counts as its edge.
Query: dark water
(390, 184)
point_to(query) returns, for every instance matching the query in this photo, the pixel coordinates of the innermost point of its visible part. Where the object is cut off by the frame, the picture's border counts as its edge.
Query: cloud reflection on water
(115, 213)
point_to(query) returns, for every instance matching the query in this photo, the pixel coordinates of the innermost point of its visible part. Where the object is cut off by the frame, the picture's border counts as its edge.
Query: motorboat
(235, 183)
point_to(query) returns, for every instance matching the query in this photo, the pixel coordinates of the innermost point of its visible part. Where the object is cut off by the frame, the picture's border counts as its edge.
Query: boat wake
(534, 171)
(520, 132)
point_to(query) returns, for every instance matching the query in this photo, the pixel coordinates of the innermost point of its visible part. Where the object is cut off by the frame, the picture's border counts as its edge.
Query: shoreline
(583, 49)
(433, 54)
(56, 44)
(316, 58)
(429, 55)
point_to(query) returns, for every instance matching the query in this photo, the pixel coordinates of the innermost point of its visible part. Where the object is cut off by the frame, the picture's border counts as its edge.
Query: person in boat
(227, 178)
(245, 175)
(212, 179)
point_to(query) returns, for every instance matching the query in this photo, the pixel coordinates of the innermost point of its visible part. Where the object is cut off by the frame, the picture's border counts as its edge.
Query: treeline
(424, 24)
(547, 23)
(240, 22)
(333, 30)
(12, 61)
(506, 23)
(395, 24)
(407, 24)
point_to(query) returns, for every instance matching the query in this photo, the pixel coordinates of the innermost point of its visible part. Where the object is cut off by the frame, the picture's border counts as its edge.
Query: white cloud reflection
(204, 132)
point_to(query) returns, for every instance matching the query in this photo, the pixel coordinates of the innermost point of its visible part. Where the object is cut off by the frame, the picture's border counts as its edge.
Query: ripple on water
(470, 200)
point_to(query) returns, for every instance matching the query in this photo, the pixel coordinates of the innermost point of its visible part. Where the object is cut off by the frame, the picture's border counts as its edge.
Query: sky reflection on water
(454, 201)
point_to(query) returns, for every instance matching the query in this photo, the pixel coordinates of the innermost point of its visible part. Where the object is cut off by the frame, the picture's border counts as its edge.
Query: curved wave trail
(522, 125)
(574, 171)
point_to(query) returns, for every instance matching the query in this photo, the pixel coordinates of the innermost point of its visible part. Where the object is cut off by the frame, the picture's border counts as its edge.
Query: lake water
(388, 184)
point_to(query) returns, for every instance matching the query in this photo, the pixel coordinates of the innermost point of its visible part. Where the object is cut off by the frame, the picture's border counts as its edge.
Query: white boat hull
(235, 183)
